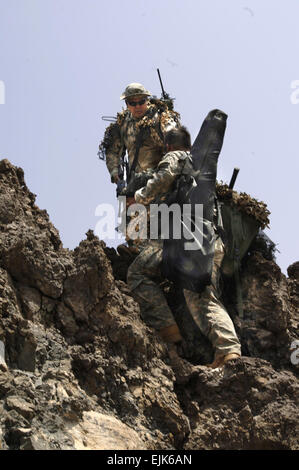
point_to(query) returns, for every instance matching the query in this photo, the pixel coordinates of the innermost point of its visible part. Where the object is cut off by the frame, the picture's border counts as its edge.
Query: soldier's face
(137, 105)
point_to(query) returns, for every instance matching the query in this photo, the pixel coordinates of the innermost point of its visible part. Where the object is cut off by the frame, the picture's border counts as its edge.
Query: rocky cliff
(80, 370)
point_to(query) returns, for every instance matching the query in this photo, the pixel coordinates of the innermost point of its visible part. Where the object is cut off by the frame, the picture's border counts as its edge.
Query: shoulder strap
(138, 146)
(139, 140)
(188, 168)
(122, 152)
(161, 135)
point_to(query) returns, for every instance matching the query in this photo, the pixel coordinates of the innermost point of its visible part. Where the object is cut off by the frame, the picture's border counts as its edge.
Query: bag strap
(139, 141)
(122, 152)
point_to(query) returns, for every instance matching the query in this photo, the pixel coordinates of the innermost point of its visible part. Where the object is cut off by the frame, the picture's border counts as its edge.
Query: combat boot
(220, 361)
(170, 334)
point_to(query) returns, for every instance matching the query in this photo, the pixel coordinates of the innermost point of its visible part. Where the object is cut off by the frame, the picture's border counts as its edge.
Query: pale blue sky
(65, 63)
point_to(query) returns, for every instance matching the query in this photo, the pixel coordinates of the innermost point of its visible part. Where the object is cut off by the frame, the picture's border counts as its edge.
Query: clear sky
(64, 64)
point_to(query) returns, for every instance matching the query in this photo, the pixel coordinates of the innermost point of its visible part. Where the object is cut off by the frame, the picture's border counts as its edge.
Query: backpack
(192, 268)
(239, 230)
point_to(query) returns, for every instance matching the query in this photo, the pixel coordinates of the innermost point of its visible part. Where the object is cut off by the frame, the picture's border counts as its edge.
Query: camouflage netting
(245, 203)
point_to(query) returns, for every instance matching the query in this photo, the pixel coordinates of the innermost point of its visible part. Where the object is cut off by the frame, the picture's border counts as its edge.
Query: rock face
(80, 370)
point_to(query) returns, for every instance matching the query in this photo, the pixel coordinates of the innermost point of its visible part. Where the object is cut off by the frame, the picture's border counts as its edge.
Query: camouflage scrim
(244, 203)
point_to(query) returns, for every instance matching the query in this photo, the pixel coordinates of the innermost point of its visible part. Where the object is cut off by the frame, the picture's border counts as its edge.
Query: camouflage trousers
(144, 276)
(209, 313)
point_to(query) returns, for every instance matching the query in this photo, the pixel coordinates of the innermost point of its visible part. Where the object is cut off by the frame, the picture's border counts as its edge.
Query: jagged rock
(23, 407)
(85, 372)
(97, 431)
(293, 290)
(266, 328)
(293, 271)
(247, 406)
(28, 241)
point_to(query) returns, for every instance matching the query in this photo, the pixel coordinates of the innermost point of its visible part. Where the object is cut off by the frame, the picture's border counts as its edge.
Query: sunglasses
(135, 103)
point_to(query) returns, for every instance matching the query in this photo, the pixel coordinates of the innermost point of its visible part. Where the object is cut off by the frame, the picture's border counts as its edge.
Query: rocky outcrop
(80, 370)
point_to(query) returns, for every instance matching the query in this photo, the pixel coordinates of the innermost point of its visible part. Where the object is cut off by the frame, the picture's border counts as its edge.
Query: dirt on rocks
(79, 369)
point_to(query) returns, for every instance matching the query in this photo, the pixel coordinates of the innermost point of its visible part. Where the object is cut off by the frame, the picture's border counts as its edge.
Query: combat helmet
(134, 89)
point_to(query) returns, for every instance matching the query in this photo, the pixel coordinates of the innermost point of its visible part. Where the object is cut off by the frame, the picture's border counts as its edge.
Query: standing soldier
(139, 130)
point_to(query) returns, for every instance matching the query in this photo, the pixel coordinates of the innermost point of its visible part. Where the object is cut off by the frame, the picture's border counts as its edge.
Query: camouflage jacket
(168, 170)
(161, 185)
(122, 136)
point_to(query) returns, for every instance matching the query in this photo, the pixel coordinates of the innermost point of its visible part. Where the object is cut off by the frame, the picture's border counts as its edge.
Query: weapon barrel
(163, 91)
(109, 118)
(233, 178)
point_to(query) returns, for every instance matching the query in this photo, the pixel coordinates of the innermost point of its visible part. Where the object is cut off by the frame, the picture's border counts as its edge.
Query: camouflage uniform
(206, 308)
(210, 314)
(156, 122)
(144, 277)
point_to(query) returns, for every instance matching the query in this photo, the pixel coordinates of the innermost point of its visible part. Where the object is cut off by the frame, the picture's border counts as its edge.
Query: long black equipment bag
(192, 268)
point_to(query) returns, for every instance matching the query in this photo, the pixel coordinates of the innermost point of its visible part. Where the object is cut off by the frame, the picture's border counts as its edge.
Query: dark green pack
(240, 230)
(241, 219)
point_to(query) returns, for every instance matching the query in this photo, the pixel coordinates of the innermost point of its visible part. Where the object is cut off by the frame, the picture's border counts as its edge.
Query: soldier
(140, 131)
(206, 308)
(151, 117)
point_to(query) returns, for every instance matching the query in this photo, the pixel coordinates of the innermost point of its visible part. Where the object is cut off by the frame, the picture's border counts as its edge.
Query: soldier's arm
(160, 183)
(112, 146)
(112, 159)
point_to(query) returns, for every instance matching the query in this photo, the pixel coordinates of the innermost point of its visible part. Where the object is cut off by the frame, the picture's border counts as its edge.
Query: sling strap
(139, 141)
